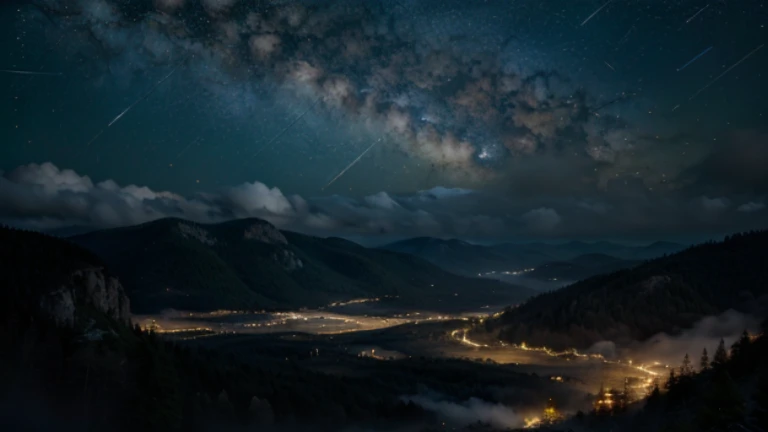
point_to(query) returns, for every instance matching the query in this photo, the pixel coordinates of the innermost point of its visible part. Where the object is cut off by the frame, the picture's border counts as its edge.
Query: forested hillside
(664, 294)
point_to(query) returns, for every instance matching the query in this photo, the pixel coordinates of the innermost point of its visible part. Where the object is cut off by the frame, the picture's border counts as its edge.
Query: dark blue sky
(532, 118)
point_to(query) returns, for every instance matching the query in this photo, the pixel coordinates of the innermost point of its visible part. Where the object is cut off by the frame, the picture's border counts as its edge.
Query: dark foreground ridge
(662, 295)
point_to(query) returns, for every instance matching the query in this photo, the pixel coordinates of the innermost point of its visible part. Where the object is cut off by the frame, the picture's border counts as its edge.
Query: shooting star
(609, 65)
(25, 72)
(187, 147)
(726, 71)
(351, 165)
(138, 101)
(596, 12)
(279, 134)
(696, 14)
(694, 59)
(676, 107)
(622, 97)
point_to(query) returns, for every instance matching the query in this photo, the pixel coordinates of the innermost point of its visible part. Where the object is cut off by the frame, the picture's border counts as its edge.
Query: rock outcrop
(265, 232)
(288, 260)
(87, 288)
(197, 233)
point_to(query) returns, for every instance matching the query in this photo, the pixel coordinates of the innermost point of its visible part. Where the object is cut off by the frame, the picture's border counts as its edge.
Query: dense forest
(661, 295)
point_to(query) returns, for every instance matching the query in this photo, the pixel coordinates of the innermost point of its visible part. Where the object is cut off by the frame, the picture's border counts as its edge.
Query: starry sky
(484, 119)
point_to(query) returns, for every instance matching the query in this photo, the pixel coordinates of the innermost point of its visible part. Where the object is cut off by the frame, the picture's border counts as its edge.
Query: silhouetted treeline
(728, 394)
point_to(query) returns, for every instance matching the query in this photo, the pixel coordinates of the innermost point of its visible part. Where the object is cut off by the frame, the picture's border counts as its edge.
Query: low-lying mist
(670, 349)
(468, 412)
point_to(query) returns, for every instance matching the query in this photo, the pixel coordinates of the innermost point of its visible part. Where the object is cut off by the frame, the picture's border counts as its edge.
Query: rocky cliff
(87, 288)
(43, 275)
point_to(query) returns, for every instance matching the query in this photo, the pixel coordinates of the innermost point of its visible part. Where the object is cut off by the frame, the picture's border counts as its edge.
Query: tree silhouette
(740, 346)
(724, 405)
(721, 355)
(704, 362)
(672, 380)
(686, 369)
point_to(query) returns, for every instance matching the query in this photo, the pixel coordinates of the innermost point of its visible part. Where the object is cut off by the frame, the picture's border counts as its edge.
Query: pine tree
(704, 362)
(738, 347)
(723, 406)
(686, 369)
(672, 379)
(721, 355)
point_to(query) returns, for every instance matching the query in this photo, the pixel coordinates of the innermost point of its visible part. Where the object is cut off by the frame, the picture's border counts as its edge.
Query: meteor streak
(596, 12)
(726, 71)
(125, 111)
(696, 14)
(694, 59)
(138, 101)
(24, 72)
(279, 134)
(352, 164)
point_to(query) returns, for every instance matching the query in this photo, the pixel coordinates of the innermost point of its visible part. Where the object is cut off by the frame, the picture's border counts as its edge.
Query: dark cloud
(737, 165)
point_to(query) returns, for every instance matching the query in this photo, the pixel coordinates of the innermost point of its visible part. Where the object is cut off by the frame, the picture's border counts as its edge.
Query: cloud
(471, 411)
(751, 207)
(714, 204)
(381, 200)
(704, 334)
(46, 197)
(440, 192)
(541, 219)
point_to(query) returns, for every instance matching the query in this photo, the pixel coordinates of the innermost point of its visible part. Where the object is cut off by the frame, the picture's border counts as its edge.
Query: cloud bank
(46, 197)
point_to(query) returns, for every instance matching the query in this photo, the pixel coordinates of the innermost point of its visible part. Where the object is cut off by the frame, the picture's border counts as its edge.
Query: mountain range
(250, 264)
(471, 259)
(581, 267)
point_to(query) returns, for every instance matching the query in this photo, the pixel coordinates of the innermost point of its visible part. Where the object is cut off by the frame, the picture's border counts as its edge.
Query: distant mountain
(581, 267)
(573, 249)
(173, 263)
(465, 258)
(469, 259)
(69, 231)
(664, 294)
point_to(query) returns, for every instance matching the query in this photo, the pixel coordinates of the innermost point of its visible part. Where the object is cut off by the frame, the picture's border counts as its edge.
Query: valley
(422, 346)
(339, 338)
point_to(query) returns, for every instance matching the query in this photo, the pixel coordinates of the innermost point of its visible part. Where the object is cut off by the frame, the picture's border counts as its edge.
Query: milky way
(555, 109)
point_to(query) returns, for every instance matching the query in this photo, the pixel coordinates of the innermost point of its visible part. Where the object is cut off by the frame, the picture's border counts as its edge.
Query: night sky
(485, 120)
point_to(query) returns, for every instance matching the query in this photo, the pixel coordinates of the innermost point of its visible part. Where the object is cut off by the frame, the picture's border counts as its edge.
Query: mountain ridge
(660, 295)
(250, 264)
(471, 259)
